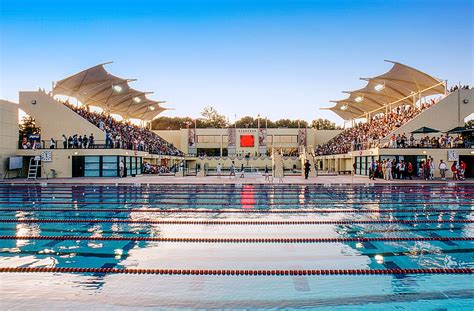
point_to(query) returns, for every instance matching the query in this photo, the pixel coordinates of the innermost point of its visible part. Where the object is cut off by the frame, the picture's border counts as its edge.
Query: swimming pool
(237, 246)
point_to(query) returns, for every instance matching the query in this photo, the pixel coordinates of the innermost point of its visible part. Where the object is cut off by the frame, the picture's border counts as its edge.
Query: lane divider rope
(234, 240)
(240, 211)
(237, 272)
(182, 195)
(226, 203)
(238, 222)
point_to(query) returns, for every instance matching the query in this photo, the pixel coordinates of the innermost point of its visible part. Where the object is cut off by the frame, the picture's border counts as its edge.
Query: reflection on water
(151, 255)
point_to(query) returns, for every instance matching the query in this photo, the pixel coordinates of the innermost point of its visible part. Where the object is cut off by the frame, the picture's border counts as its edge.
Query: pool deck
(249, 179)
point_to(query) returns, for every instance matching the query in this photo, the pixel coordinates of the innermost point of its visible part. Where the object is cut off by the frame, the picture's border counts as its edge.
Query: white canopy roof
(396, 87)
(97, 87)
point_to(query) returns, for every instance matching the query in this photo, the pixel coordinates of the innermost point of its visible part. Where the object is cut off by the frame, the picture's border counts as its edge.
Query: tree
(213, 119)
(248, 122)
(324, 124)
(171, 123)
(291, 123)
(28, 127)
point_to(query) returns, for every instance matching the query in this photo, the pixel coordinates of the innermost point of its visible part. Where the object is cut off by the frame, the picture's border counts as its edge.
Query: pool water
(227, 227)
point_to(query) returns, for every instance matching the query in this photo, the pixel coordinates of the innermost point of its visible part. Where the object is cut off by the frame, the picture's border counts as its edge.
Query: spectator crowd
(118, 134)
(368, 134)
(149, 168)
(442, 141)
(390, 169)
(458, 87)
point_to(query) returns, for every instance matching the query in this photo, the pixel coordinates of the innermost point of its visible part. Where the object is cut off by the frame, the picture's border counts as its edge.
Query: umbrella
(424, 130)
(460, 130)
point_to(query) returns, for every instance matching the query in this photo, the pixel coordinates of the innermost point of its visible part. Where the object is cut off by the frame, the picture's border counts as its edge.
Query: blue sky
(274, 58)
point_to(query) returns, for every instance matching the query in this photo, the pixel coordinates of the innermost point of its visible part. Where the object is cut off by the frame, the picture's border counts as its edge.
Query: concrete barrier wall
(56, 119)
(8, 133)
(442, 116)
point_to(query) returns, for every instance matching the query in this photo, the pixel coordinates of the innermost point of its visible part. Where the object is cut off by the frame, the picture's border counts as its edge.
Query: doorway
(78, 166)
(469, 160)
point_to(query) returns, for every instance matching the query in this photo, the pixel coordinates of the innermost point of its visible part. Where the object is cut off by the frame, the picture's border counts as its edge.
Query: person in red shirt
(462, 170)
(410, 170)
(454, 170)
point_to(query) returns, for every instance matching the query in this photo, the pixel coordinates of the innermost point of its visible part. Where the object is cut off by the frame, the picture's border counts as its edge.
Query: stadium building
(75, 142)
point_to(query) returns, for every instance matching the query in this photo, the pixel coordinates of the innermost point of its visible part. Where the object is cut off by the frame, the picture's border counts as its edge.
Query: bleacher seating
(121, 134)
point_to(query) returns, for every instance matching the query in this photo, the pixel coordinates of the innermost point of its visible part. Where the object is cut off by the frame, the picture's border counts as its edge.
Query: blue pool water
(435, 216)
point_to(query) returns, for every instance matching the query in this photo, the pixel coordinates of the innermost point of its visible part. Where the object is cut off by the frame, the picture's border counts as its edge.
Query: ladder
(33, 167)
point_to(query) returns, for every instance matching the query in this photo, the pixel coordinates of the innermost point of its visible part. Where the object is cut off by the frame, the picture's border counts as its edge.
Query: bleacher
(56, 118)
(440, 115)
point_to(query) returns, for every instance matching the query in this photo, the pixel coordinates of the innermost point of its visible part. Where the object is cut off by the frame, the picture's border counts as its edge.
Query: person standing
(410, 170)
(91, 141)
(232, 170)
(396, 170)
(432, 169)
(389, 170)
(442, 169)
(52, 143)
(267, 173)
(426, 170)
(122, 168)
(307, 169)
(402, 170)
(379, 169)
(219, 170)
(454, 170)
(462, 169)
(85, 141)
(64, 139)
(372, 170)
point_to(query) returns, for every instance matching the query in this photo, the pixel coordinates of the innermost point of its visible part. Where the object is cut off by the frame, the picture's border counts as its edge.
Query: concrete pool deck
(248, 179)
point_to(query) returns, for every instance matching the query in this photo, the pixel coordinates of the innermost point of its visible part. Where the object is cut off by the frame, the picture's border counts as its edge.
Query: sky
(279, 59)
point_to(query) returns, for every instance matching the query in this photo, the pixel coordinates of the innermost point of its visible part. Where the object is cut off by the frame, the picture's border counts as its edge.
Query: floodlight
(152, 108)
(117, 88)
(379, 87)
(359, 99)
(137, 99)
(344, 107)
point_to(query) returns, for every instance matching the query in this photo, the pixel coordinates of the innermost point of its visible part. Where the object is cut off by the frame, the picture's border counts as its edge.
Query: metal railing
(97, 144)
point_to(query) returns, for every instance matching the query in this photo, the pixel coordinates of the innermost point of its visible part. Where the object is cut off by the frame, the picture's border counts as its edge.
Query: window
(208, 139)
(285, 139)
(109, 166)
(92, 166)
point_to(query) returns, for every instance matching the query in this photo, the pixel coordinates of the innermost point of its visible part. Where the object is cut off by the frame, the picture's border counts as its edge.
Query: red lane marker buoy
(241, 222)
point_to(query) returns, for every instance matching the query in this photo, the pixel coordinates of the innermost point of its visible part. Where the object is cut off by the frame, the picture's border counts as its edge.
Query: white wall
(442, 116)
(56, 119)
(8, 132)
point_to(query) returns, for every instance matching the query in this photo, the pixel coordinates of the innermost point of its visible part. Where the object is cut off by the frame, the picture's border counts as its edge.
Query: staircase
(33, 167)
